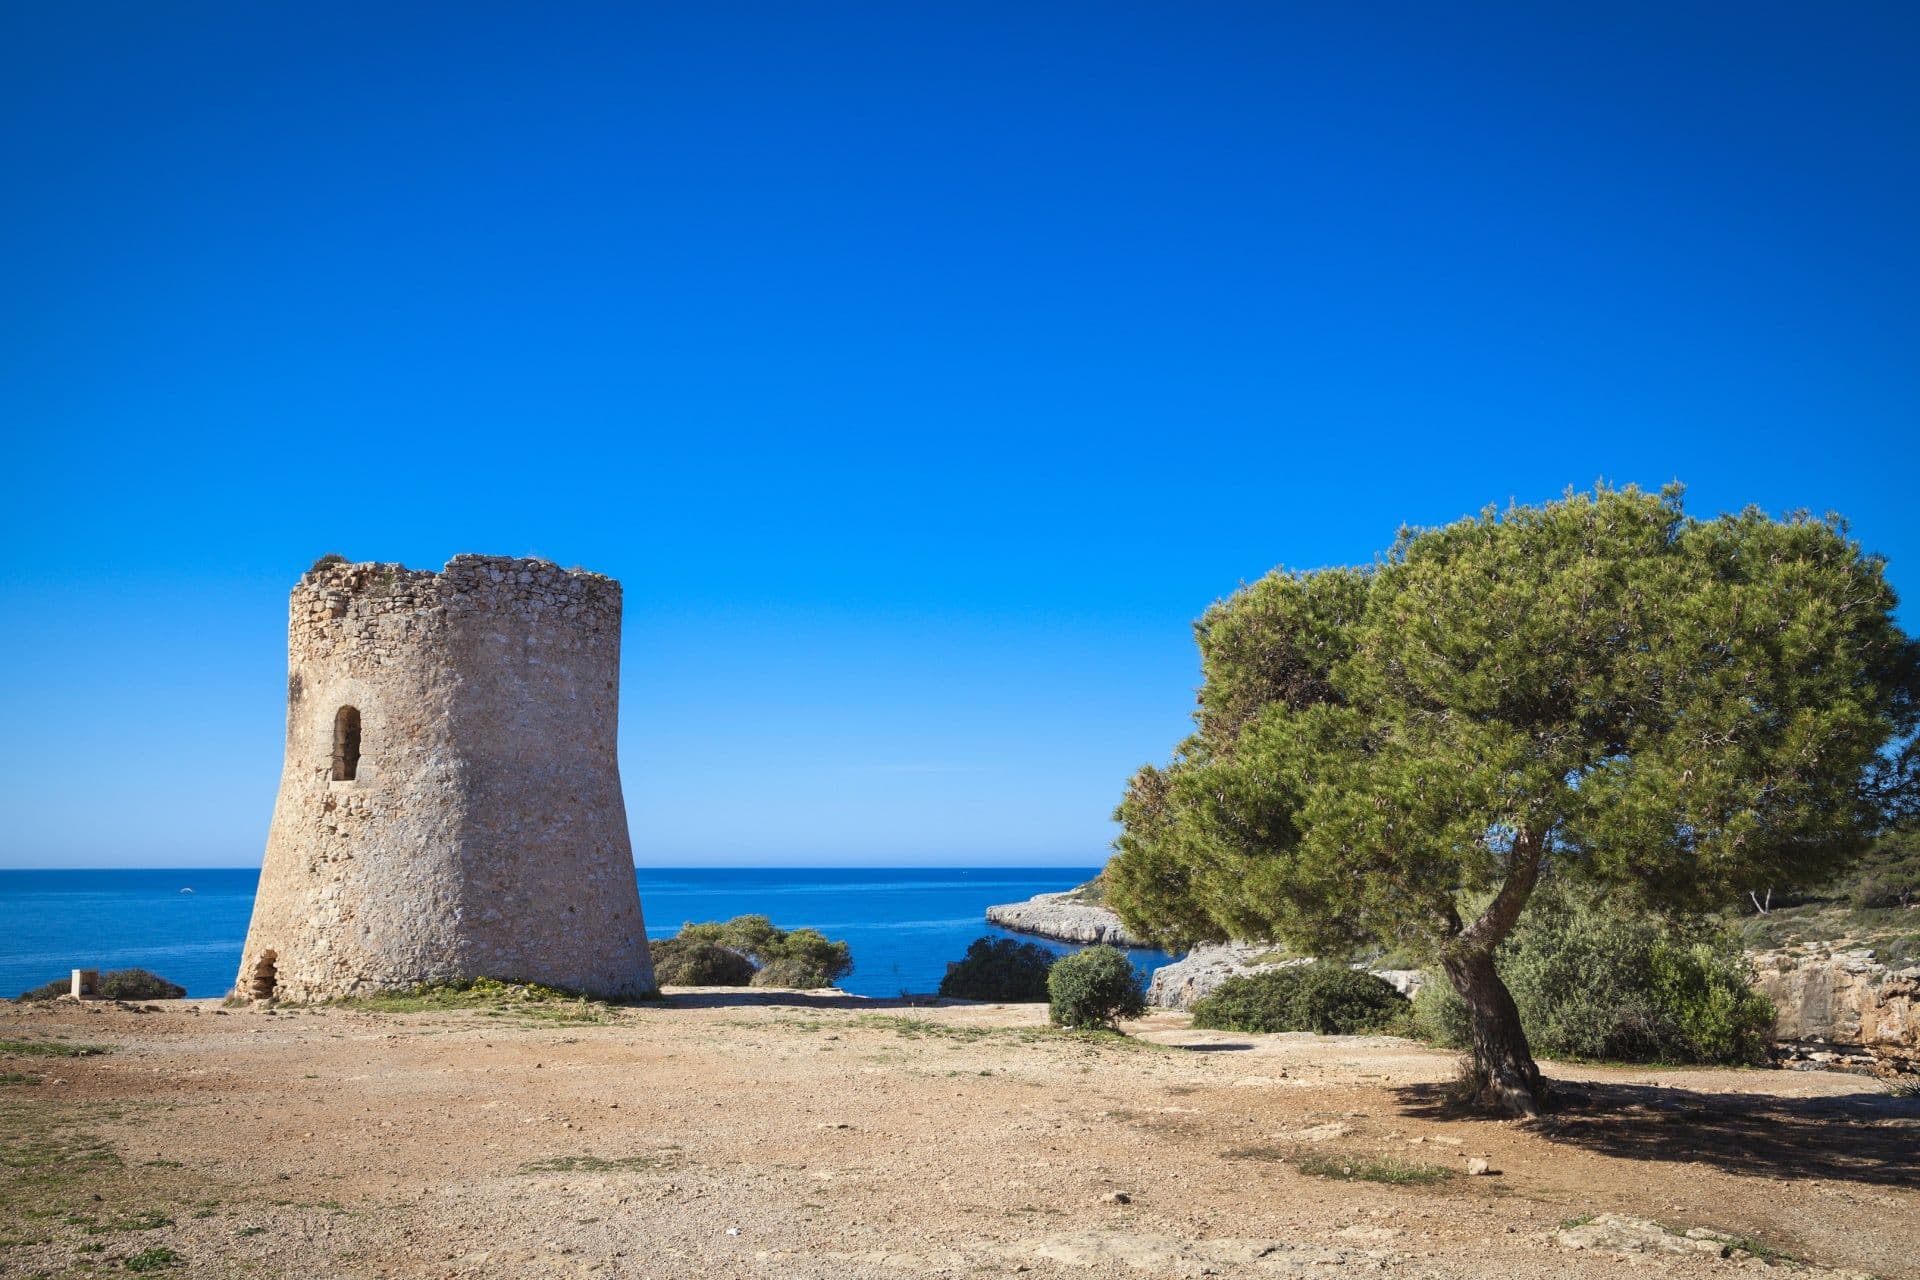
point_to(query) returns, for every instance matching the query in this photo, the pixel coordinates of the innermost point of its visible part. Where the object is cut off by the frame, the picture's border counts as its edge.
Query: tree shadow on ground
(1212, 1048)
(1869, 1137)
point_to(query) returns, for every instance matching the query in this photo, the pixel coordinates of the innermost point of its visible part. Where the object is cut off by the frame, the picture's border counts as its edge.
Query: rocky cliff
(1842, 1008)
(1065, 918)
(1178, 985)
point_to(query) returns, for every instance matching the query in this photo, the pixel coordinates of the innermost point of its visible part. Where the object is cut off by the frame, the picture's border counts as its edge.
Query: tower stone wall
(450, 804)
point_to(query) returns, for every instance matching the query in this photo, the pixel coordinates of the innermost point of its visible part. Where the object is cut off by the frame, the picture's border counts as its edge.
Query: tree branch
(1497, 921)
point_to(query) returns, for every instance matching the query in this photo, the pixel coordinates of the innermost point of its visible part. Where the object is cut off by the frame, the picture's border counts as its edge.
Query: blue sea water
(904, 925)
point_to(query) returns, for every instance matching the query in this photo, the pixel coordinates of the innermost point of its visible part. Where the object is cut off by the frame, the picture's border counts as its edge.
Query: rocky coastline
(1064, 917)
(1200, 971)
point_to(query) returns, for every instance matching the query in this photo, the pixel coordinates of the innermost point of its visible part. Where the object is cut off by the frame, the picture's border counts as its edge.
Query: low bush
(1092, 990)
(1000, 969)
(1594, 981)
(749, 950)
(808, 957)
(1439, 1014)
(1708, 1009)
(683, 962)
(1322, 997)
(120, 984)
(794, 972)
(752, 936)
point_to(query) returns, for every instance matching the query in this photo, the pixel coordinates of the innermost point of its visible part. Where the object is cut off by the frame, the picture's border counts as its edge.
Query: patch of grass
(1390, 1170)
(38, 1149)
(145, 1220)
(49, 1049)
(911, 1028)
(1765, 1252)
(666, 1158)
(158, 1258)
(1386, 1169)
(917, 1028)
(18, 1077)
(531, 1003)
(1905, 1087)
(1578, 1220)
(250, 1231)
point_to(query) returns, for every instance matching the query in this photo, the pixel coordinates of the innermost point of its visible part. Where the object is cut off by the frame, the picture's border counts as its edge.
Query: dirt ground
(741, 1134)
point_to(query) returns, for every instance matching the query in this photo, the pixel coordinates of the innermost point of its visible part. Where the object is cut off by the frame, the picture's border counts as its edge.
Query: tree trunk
(1505, 1077)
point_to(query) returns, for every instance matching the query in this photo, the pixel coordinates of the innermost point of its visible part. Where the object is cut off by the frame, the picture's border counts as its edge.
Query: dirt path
(721, 1136)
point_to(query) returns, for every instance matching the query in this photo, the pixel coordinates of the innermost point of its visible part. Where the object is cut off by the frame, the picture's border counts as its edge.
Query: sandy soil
(724, 1135)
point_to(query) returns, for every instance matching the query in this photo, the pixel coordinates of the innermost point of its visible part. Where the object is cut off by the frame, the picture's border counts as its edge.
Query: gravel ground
(746, 1134)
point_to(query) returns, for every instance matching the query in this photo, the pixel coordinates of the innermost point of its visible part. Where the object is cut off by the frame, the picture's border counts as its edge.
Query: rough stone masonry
(450, 805)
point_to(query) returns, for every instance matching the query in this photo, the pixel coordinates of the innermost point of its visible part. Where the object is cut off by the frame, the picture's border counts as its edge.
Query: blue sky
(922, 370)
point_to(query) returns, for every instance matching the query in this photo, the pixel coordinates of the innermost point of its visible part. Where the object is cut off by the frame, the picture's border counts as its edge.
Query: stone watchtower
(450, 805)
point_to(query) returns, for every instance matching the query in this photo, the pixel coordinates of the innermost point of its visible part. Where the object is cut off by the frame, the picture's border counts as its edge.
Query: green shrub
(792, 971)
(138, 984)
(808, 953)
(684, 962)
(749, 950)
(1439, 1015)
(1709, 1006)
(1093, 989)
(1000, 969)
(1595, 981)
(1322, 997)
(120, 984)
(752, 936)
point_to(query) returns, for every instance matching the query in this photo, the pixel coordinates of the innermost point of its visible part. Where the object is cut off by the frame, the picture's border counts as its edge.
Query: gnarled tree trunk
(1505, 1077)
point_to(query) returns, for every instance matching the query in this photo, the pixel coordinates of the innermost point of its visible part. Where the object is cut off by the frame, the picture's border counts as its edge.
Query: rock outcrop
(1633, 1238)
(1842, 1008)
(1064, 918)
(1180, 984)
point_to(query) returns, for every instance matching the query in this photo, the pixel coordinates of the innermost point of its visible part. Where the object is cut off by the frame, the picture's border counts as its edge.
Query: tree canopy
(1601, 687)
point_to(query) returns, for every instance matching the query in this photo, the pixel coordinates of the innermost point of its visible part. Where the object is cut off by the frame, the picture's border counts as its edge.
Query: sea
(189, 924)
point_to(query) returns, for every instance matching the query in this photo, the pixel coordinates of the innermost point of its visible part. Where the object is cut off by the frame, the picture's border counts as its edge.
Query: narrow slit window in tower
(346, 744)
